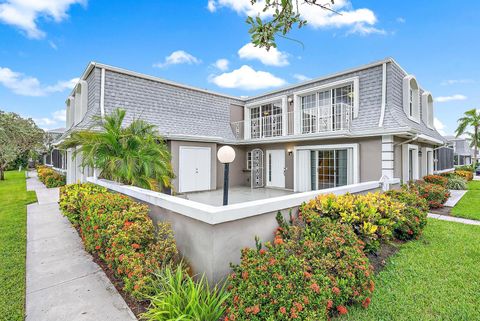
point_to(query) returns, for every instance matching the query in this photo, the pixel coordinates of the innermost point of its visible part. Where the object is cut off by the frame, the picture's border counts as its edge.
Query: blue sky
(45, 45)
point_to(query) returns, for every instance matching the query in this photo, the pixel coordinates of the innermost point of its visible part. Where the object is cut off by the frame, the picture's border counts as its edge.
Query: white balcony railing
(324, 119)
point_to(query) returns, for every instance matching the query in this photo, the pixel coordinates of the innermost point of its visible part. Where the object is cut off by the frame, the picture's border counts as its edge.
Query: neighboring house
(54, 157)
(353, 126)
(463, 153)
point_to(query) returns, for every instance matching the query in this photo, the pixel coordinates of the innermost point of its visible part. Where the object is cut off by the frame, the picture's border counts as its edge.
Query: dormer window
(427, 109)
(411, 99)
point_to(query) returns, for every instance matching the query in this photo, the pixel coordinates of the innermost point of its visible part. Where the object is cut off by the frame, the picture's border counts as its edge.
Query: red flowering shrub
(50, 177)
(435, 195)
(316, 270)
(122, 234)
(72, 197)
(414, 213)
(436, 179)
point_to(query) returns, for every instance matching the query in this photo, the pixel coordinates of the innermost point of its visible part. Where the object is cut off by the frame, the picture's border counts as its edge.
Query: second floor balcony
(324, 119)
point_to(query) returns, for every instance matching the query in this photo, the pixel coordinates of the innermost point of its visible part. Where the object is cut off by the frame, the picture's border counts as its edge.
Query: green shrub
(312, 271)
(121, 233)
(456, 182)
(414, 214)
(72, 197)
(178, 297)
(467, 168)
(50, 177)
(372, 216)
(436, 179)
(435, 195)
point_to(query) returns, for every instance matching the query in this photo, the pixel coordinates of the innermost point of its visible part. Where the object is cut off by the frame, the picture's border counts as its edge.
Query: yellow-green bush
(468, 175)
(49, 177)
(372, 216)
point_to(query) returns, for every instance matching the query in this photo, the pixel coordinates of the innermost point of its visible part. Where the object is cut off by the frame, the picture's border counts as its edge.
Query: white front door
(276, 168)
(194, 168)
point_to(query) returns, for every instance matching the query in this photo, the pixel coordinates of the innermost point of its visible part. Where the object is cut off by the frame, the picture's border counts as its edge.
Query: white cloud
(247, 78)
(457, 82)
(272, 57)
(439, 126)
(24, 14)
(301, 77)
(221, 64)
(60, 115)
(30, 86)
(360, 21)
(57, 119)
(444, 99)
(178, 57)
(401, 20)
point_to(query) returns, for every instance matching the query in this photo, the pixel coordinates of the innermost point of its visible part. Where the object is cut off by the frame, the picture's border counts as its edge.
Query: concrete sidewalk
(455, 197)
(453, 219)
(63, 282)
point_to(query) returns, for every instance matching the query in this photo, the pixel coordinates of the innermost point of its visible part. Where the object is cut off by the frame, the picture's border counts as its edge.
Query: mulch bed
(379, 260)
(442, 210)
(137, 307)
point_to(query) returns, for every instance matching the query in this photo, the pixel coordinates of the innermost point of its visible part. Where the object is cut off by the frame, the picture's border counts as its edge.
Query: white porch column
(387, 156)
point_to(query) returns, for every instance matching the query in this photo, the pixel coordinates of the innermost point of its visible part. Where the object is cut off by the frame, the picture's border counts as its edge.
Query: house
(463, 153)
(353, 126)
(54, 157)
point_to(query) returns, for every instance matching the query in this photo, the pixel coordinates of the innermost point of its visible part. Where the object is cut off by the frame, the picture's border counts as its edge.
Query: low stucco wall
(210, 237)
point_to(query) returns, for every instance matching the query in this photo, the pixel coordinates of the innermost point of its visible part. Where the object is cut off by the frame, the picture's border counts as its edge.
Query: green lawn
(434, 278)
(469, 205)
(13, 213)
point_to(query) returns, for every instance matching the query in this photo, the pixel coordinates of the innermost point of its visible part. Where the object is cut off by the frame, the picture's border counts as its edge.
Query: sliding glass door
(329, 168)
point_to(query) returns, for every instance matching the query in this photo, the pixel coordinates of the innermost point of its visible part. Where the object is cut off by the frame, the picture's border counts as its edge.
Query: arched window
(427, 109)
(80, 101)
(411, 98)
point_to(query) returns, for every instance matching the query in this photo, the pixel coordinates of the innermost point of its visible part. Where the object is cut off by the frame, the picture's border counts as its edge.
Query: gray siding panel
(174, 110)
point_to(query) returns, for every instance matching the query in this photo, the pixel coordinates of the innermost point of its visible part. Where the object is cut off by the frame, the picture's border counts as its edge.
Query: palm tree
(471, 119)
(134, 155)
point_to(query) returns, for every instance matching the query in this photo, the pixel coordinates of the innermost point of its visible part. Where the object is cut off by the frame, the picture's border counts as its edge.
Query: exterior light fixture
(226, 155)
(289, 152)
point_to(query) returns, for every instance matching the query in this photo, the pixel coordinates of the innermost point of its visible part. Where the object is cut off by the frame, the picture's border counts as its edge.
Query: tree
(471, 119)
(285, 16)
(134, 155)
(17, 136)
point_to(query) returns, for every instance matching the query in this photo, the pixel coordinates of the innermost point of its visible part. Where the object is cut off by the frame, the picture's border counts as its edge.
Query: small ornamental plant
(436, 179)
(372, 216)
(468, 175)
(313, 270)
(414, 214)
(435, 195)
(456, 182)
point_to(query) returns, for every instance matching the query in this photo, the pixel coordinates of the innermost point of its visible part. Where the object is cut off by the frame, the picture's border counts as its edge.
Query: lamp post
(226, 155)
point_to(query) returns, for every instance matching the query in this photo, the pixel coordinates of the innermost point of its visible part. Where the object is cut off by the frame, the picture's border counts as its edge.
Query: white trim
(430, 139)
(102, 93)
(356, 159)
(384, 95)
(416, 98)
(265, 101)
(220, 214)
(405, 162)
(444, 171)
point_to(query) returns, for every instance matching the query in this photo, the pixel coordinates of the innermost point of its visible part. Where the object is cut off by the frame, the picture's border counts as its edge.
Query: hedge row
(317, 266)
(50, 177)
(121, 233)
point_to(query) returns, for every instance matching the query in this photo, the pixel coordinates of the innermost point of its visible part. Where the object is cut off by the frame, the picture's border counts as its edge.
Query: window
(249, 160)
(330, 168)
(427, 109)
(411, 98)
(266, 120)
(327, 110)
